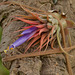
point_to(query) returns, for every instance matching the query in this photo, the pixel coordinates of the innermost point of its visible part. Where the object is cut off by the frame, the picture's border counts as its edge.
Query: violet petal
(29, 30)
(22, 40)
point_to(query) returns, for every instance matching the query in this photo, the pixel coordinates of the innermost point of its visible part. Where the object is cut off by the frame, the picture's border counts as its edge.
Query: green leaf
(0, 33)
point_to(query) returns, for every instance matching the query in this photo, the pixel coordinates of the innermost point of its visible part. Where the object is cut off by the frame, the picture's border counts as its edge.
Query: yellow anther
(5, 51)
(7, 48)
(11, 48)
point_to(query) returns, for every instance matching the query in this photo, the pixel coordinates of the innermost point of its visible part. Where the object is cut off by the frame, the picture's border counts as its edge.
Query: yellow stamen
(5, 51)
(11, 48)
(7, 48)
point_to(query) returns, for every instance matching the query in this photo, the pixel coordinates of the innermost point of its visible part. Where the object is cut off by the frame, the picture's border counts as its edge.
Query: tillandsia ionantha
(45, 28)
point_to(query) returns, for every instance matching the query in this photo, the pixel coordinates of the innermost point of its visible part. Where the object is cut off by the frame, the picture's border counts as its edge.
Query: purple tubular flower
(21, 40)
(29, 30)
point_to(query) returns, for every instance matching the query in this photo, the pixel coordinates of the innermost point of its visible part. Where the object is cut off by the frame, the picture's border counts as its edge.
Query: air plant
(44, 28)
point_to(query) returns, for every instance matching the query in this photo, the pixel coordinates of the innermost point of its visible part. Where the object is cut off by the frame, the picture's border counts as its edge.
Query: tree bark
(54, 64)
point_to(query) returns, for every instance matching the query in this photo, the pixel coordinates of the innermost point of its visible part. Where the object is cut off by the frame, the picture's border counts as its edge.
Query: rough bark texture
(45, 65)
